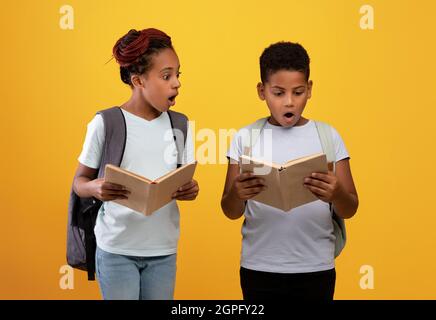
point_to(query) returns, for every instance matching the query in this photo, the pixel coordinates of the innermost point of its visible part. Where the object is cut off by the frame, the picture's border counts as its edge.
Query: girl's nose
(177, 83)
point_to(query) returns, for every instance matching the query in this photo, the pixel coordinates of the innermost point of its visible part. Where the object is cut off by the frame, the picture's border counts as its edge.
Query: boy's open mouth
(289, 115)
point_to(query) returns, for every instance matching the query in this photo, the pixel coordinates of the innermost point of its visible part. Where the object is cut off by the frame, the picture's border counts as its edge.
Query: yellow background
(375, 86)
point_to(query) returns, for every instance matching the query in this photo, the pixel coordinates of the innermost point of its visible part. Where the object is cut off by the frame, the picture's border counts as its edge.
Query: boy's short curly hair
(284, 56)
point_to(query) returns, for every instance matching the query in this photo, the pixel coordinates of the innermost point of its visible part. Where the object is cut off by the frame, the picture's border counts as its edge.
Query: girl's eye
(178, 74)
(278, 93)
(298, 93)
(166, 77)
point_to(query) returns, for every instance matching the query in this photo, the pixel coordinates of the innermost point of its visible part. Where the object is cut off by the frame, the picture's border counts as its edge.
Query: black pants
(259, 285)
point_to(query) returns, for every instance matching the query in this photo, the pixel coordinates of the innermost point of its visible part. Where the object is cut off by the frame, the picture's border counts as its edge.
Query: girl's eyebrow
(169, 69)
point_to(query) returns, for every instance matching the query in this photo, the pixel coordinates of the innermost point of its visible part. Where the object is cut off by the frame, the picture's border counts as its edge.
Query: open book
(147, 196)
(285, 189)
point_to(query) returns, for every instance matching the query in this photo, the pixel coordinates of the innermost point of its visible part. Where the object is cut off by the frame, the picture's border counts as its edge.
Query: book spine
(148, 205)
(285, 200)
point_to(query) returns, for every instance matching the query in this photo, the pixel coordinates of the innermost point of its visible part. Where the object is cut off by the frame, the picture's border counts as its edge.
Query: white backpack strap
(250, 137)
(326, 138)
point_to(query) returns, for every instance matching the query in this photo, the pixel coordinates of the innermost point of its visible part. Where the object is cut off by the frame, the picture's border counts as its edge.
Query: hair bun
(133, 44)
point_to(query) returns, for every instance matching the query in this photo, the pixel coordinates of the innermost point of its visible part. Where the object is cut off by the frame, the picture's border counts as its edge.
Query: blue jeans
(135, 278)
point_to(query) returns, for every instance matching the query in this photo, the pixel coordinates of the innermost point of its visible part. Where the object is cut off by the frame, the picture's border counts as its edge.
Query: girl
(136, 254)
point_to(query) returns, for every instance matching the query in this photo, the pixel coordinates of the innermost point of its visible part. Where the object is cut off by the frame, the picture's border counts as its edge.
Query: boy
(288, 254)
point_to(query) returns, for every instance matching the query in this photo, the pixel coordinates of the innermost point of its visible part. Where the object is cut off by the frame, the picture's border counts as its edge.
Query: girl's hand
(106, 191)
(324, 186)
(246, 186)
(188, 191)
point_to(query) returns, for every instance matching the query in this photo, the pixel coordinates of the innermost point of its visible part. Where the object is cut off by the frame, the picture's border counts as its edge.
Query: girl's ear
(261, 90)
(137, 81)
(309, 89)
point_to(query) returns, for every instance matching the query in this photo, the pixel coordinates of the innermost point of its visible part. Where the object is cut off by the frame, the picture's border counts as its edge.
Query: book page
(137, 185)
(295, 161)
(129, 173)
(166, 185)
(175, 172)
(258, 167)
(292, 179)
(272, 195)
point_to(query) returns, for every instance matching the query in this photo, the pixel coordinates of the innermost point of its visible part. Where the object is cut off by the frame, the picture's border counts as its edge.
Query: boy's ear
(309, 89)
(261, 90)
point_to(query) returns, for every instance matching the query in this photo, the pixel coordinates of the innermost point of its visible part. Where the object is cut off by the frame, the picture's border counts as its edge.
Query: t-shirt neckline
(272, 126)
(134, 116)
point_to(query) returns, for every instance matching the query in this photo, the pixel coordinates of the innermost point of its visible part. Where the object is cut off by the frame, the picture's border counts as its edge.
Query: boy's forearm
(346, 205)
(81, 187)
(232, 207)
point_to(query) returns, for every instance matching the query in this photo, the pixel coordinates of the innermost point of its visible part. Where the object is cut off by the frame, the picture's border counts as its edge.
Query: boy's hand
(188, 191)
(247, 185)
(324, 186)
(106, 191)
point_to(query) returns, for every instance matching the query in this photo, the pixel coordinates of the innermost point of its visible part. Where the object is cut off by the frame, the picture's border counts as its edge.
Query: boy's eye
(166, 76)
(178, 74)
(299, 93)
(278, 93)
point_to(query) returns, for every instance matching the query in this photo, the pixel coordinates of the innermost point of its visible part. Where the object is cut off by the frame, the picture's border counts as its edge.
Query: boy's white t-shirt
(151, 152)
(298, 241)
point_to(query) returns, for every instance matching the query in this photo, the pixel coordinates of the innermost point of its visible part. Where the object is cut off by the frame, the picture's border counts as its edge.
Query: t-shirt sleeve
(340, 149)
(93, 145)
(235, 149)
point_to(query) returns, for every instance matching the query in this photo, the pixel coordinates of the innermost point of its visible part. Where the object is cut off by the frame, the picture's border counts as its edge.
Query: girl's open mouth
(172, 100)
(289, 115)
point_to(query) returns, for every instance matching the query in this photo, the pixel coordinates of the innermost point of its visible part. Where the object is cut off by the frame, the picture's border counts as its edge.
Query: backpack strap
(179, 125)
(115, 138)
(250, 137)
(326, 138)
(112, 153)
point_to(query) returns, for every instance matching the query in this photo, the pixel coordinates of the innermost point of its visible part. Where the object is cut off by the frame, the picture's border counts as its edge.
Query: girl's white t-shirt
(151, 152)
(298, 241)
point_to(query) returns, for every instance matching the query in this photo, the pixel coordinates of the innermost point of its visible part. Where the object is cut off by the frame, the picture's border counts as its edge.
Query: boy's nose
(288, 101)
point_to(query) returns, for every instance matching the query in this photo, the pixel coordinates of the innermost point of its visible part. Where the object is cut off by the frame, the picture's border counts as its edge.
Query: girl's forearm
(82, 188)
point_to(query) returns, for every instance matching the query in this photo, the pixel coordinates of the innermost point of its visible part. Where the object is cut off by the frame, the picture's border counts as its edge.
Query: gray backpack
(82, 212)
(326, 139)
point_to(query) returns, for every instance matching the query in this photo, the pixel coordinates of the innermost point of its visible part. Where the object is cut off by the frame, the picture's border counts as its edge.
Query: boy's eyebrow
(278, 87)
